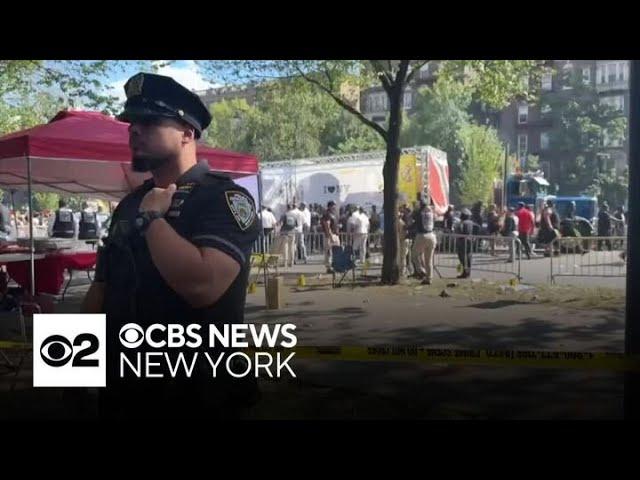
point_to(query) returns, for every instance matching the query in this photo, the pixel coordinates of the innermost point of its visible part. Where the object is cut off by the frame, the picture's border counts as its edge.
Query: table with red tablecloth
(49, 271)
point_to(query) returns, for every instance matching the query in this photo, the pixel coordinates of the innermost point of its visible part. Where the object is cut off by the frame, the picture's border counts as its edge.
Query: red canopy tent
(87, 153)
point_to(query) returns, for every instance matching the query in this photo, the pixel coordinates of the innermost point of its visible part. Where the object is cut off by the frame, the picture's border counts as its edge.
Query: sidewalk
(477, 314)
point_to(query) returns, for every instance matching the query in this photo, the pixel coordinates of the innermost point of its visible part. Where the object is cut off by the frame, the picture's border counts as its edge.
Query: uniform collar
(193, 175)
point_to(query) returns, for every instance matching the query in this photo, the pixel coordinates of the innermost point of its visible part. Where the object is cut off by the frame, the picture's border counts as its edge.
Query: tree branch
(401, 76)
(384, 76)
(381, 131)
(415, 69)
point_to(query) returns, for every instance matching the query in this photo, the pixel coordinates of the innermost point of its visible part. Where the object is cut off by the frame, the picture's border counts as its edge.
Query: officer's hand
(158, 199)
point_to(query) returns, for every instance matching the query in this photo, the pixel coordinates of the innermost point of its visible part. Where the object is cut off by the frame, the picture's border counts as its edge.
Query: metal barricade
(315, 242)
(488, 253)
(588, 257)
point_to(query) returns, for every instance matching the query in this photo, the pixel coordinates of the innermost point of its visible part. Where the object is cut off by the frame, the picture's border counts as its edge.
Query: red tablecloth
(50, 270)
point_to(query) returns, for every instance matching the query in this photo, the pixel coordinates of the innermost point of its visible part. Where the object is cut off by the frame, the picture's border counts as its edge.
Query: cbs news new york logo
(69, 350)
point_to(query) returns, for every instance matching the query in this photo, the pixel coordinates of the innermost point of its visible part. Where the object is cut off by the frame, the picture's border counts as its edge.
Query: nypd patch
(241, 207)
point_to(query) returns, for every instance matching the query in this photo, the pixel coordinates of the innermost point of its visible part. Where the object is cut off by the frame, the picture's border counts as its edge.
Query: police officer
(424, 243)
(63, 223)
(330, 228)
(605, 221)
(464, 245)
(177, 252)
(88, 225)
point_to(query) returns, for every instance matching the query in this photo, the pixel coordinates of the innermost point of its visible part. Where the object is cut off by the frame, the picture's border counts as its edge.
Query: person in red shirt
(526, 223)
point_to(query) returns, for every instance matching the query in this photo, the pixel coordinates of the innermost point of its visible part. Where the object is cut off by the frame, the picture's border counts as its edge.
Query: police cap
(152, 95)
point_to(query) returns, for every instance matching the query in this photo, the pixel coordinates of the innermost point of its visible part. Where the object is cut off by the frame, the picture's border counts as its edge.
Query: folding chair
(265, 262)
(26, 307)
(342, 261)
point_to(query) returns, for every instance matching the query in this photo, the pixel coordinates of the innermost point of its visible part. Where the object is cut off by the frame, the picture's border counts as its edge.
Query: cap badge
(135, 85)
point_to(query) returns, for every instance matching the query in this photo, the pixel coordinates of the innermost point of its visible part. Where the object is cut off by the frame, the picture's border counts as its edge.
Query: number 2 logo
(56, 350)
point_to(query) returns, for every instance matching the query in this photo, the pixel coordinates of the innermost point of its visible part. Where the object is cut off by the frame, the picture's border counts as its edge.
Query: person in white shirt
(306, 228)
(301, 249)
(268, 221)
(102, 217)
(352, 224)
(361, 233)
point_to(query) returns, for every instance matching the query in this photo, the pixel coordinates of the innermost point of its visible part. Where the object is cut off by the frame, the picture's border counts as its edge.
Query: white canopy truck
(355, 179)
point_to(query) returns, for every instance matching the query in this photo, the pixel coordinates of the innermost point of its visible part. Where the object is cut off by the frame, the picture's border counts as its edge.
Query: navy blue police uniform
(207, 209)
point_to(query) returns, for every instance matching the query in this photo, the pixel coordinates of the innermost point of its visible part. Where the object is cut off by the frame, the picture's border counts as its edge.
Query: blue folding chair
(342, 261)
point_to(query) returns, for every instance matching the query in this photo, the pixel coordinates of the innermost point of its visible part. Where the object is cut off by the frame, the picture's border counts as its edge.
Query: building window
(407, 100)
(567, 76)
(601, 76)
(547, 80)
(379, 102)
(546, 168)
(586, 76)
(616, 102)
(611, 72)
(523, 113)
(522, 146)
(610, 164)
(382, 102)
(426, 71)
(623, 71)
(544, 141)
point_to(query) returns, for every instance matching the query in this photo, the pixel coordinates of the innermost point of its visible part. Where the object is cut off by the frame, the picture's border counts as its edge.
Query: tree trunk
(390, 269)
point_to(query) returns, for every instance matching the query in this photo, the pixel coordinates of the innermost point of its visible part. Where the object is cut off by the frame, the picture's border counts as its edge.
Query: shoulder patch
(241, 207)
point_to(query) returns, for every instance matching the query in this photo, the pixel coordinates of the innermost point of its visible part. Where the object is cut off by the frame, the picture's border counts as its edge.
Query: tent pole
(15, 214)
(263, 240)
(31, 241)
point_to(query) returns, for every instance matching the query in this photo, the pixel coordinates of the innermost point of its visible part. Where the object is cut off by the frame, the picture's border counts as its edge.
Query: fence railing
(314, 243)
(487, 253)
(588, 257)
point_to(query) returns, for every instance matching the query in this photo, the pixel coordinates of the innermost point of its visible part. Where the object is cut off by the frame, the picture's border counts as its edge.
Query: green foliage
(582, 125)
(481, 164)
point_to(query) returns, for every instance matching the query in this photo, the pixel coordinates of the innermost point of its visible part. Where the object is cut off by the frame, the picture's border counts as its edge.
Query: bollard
(302, 281)
(275, 286)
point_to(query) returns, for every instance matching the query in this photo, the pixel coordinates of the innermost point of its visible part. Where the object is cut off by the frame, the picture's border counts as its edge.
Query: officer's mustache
(143, 163)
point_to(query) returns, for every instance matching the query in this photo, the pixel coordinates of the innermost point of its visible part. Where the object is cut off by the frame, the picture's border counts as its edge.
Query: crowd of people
(303, 229)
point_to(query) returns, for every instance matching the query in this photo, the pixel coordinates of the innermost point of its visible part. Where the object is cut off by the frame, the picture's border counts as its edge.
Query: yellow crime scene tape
(15, 345)
(450, 356)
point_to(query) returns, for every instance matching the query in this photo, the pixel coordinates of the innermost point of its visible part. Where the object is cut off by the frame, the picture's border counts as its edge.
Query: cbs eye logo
(56, 350)
(131, 335)
(69, 350)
